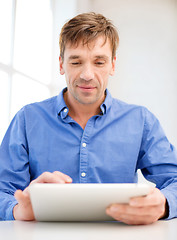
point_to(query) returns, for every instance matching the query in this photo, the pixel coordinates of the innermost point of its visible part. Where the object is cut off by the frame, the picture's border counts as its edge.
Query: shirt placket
(84, 152)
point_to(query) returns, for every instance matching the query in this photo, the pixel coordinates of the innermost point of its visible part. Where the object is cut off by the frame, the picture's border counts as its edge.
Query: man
(83, 135)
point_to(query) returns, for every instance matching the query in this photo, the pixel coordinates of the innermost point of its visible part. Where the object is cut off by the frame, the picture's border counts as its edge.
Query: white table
(18, 230)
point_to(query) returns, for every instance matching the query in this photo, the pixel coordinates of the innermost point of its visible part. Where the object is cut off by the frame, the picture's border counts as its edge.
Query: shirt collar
(62, 108)
(107, 102)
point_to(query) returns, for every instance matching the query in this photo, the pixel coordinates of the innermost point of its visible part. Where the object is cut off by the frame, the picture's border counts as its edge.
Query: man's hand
(23, 210)
(140, 210)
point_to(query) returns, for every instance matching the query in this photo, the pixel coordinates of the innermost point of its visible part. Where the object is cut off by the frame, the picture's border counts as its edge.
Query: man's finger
(48, 177)
(118, 209)
(154, 198)
(21, 197)
(23, 210)
(63, 176)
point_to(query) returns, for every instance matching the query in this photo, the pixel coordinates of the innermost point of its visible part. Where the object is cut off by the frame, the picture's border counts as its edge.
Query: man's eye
(99, 63)
(75, 63)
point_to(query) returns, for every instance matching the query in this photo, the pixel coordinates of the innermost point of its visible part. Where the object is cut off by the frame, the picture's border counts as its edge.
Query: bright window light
(5, 39)
(33, 39)
(29, 31)
(4, 103)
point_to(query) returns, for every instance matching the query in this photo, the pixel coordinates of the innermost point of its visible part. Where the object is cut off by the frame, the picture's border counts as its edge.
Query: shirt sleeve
(14, 165)
(158, 161)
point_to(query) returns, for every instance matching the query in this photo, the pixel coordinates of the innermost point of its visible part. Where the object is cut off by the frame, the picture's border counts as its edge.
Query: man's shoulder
(120, 105)
(47, 103)
(46, 106)
(133, 111)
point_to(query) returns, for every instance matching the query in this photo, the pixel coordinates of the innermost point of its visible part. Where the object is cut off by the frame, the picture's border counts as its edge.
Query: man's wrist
(14, 211)
(166, 213)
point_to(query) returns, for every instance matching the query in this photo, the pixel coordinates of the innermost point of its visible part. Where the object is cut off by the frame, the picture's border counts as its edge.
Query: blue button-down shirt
(113, 146)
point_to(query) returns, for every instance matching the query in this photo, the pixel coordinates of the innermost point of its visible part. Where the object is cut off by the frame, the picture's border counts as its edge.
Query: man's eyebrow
(96, 57)
(102, 57)
(74, 57)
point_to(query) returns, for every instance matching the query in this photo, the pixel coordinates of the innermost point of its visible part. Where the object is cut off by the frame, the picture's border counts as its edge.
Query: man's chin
(87, 100)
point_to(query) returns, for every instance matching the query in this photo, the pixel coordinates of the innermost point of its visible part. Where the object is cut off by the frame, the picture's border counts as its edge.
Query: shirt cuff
(9, 212)
(171, 200)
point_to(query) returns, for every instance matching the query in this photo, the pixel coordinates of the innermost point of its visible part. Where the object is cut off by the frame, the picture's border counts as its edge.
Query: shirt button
(83, 174)
(84, 144)
(65, 110)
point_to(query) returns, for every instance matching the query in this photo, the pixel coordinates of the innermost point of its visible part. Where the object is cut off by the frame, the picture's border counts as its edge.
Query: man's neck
(81, 113)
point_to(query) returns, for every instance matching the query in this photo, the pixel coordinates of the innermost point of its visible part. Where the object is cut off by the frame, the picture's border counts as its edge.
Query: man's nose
(87, 73)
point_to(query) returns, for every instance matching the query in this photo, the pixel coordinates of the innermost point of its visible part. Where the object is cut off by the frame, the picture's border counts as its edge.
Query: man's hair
(87, 27)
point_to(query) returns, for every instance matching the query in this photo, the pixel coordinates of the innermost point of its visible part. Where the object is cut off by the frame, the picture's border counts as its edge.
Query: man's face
(87, 69)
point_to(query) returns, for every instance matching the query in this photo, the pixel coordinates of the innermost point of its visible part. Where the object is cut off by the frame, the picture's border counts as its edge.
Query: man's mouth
(86, 88)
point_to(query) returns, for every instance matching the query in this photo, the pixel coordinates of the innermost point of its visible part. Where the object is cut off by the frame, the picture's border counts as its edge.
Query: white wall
(147, 56)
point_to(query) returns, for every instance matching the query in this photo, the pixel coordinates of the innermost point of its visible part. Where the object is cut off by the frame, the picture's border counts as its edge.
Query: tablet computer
(80, 202)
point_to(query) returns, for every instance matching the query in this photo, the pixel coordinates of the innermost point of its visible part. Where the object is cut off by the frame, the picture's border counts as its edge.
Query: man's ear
(62, 72)
(113, 66)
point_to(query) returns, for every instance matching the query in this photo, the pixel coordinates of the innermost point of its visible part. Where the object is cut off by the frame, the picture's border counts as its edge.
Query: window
(26, 55)
(29, 52)
(4, 102)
